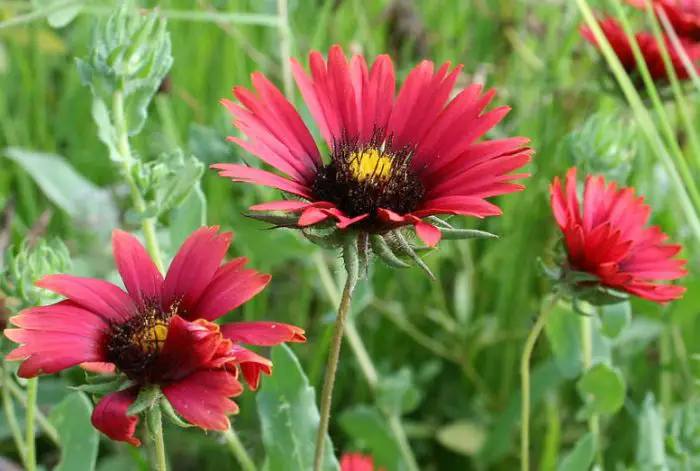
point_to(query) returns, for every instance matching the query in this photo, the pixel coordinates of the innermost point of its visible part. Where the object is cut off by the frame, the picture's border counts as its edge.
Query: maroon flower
(357, 462)
(393, 160)
(684, 15)
(608, 239)
(650, 49)
(158, 332)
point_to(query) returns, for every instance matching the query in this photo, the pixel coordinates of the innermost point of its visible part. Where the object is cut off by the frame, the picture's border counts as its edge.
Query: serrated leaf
(79, 439)
(85, 202)
(289, 417)
(615, 317)
(463, 436)
(603, 388)
(366, 426)
(581, 457)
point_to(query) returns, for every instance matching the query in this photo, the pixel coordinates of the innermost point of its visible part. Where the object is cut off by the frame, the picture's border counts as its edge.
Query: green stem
(9, 408)
(30, 445)
(525, 381)
(331, 369)
(665, 359)
(587, 351)
(148, 224)
(41, 419)
(155, 424)
(365, 362)
(238, 450)
(285, 48)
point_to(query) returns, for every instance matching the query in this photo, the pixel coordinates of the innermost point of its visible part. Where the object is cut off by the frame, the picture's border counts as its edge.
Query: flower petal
(109, 416)
(141, 278)
(252, 366)
(262, 333)
(98, 296)
(202, 398)
(194, 266)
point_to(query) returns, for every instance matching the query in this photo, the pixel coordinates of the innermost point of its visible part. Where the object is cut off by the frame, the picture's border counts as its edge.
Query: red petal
(95, 295)
(252, 365)
(203, 400)
(99, 367)
(109, 416)
(142, 279)
(191, 346)
(262, 333)
(428, 233)
(356, 462)
(241, 173)
(194, 266)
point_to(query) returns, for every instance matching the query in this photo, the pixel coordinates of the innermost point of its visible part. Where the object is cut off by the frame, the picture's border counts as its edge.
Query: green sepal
(441, 223)
(407, 250)
(118, 383)
(553, 273)
(146, 399)
(168, 411)
(280, 220)
(351, 259)
(458, 234)
(154, 420)
(382, 250)
(333, 240)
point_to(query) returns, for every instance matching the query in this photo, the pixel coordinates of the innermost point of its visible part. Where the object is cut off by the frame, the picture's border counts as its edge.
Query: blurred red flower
(684, 15)
(158, 332)
(608, 238)
(649, 47)
(357, 462)
(394, 160)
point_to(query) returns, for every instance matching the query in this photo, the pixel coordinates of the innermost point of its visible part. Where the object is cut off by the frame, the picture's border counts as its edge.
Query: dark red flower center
(362, 179)
(134, 345)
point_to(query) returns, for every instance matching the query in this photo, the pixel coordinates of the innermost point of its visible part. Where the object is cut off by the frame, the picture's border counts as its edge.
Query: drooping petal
(109, 416)
(203, 398)
(141, 278)
(100, 367)
(262, 333)
(252, 366)
(189, 347)
(194, 266)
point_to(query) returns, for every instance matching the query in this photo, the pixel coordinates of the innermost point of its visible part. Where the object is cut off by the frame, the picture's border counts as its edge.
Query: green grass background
(461, 336)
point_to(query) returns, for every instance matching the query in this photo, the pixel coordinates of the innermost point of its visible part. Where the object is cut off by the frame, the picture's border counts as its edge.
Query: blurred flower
(159, 334)
(357, 462)
(394, 161)
(650, 49)
(684, 15)
(608, 243)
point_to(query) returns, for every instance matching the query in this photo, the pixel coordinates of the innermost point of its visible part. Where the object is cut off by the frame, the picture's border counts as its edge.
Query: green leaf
(60, 16)
(289, 417)
(396, 393)
(136, 105)
(463, 436)
(369, 430)
(207, 144)
(563, 331)
(88, 204)
(615, 317)
(581, 457)
(101, 116)
(79, 439)
(603, 388)
(651, 454)
(188, 217)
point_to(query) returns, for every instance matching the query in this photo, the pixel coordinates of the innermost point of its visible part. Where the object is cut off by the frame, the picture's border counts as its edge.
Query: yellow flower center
(370, 163)
(151, 338)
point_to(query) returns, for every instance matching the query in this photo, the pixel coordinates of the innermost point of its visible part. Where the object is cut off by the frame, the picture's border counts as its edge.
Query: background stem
(587, 350)
(30, 445)
(238, 450)
(9, 408)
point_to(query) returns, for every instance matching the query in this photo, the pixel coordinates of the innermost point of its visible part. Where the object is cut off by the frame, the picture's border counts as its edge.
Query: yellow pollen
(152, 338)
(370, 163)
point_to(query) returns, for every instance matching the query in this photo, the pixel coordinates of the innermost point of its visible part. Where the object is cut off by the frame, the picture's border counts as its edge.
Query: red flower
(357, 462)
(393, 160)
(650, 50)
(160, 333)
(684, 15)
(608, 239)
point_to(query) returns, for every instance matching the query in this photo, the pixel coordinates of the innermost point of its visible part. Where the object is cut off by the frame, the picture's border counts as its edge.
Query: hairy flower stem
(155, 425)
(525, 381)
(333, 357)
(587, 351)
(238, 450)
(148, 224)
(30, 445)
